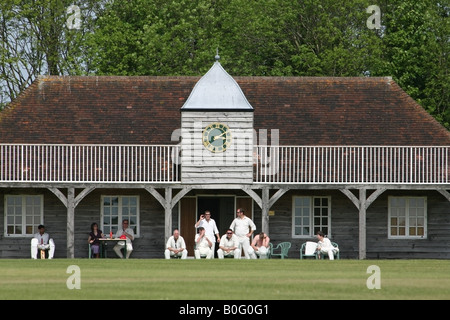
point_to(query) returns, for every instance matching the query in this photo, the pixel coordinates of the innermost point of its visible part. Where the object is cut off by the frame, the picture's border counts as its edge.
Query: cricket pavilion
(355, 157)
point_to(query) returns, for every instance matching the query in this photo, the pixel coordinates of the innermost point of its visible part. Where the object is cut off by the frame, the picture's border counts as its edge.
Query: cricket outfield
(228, 279)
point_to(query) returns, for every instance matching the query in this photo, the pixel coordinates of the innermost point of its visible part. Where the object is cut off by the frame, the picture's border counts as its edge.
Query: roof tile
(147, 110)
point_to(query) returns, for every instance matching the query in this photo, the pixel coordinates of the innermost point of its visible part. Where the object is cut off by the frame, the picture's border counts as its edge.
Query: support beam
(168, 202)
(362, 223)
(168, 214)
(70, 202)
(70, 223)
(254, 196)
(179, 195)
(60, 195)
(265, 206)
(445, 193)
(265, 202)
(83, 194)
(374, 196)
(351, 196)
(157, 195)
(77, 199)
(277, 196)
(362, 204)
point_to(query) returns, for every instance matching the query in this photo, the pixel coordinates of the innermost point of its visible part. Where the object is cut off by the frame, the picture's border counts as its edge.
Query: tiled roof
(147, 110)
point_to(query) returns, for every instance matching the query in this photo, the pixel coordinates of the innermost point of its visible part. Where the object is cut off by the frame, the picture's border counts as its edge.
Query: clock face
(216, 137)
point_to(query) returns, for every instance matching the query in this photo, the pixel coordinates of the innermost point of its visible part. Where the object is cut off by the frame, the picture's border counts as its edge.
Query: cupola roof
(216, 90)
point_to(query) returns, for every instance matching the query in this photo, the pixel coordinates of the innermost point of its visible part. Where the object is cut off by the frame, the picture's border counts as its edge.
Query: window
(24, 213)
(115, 209)
(407, 217)
(310, 214)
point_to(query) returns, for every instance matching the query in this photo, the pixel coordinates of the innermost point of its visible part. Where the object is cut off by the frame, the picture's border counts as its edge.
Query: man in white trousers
(175, 246)
(129, 235)
(259, 247)
(202, 245)
(324, 246)
(42, 241)
(229, 246)
(211, 230)
(243, 228)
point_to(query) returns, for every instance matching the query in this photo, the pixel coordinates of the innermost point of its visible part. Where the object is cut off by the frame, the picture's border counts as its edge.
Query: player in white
(243, 228)
(176, 246)
(42, 241)
(202, 245)
(211, 230)
(229, 246)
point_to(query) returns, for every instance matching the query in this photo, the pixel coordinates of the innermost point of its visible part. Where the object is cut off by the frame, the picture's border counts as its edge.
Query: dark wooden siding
(55, 221)
(150, 244)
(435, 246)
(345, 228)
(344, 222)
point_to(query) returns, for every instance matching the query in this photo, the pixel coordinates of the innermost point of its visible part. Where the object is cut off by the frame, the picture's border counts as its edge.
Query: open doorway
(222, 210)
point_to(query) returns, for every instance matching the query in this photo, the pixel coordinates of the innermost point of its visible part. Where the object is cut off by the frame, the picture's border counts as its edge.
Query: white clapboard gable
(217, 106)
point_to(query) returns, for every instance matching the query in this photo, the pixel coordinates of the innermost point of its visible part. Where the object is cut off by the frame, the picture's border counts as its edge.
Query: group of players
(231, 244)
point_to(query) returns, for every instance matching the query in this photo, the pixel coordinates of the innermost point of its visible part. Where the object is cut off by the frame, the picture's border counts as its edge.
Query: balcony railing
(271, 164)
(352, 164)
(88, 163)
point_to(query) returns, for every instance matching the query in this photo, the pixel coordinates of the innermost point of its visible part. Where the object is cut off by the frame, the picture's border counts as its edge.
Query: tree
(157, 37)
(416, 48)
(36, 38)
(254, 38)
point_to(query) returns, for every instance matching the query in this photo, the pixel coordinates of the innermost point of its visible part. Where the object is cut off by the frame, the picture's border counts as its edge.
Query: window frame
(407, 218)
(312, 226)
(24, 214)
(120, 214)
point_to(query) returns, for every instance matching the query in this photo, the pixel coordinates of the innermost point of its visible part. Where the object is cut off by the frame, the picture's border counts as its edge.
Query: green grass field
(275, 279)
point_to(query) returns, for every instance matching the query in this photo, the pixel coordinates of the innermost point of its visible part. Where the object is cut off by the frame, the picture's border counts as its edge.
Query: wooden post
(70, 203)
(363, 204)
(168, 202)
(70, 223)
(265, 206)
(168, 214)
(362, 223)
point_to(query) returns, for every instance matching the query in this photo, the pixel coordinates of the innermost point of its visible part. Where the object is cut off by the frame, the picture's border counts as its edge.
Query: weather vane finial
(217, 54)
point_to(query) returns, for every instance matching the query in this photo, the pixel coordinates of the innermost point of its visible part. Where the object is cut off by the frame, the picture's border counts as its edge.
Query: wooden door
(188, 209)
(245, 203)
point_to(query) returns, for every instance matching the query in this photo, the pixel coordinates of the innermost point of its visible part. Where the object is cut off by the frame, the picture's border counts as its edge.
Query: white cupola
(217, 132)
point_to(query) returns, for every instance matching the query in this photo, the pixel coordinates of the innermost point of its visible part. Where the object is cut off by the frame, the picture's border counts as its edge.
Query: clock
(216, 137)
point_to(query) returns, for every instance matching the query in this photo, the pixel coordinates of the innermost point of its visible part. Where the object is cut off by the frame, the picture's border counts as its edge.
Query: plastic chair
(269, 252)
(91, 253)
(304, 254)
(284, 250)
(336, 252)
